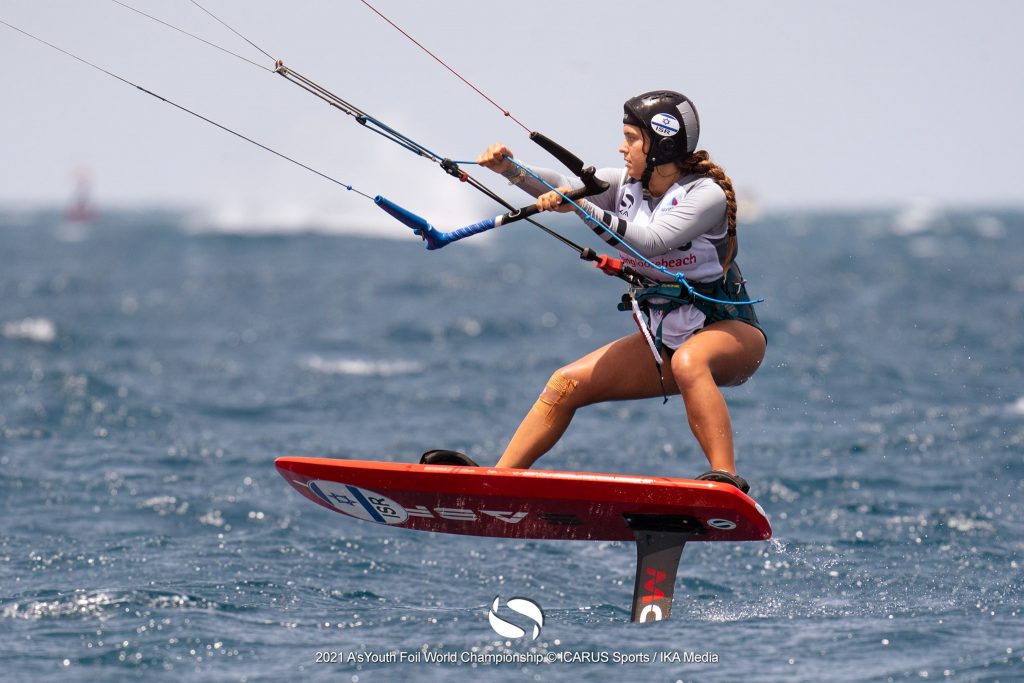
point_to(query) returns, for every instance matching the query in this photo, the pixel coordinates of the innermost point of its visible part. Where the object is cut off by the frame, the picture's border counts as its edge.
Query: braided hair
(699, 163)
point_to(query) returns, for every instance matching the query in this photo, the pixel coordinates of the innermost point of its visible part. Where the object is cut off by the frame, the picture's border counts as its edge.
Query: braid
(700, 163)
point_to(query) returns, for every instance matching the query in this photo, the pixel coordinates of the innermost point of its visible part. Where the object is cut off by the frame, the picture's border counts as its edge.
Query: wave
(366, 368)
(1017, 408)
(919, 216)
(291, 219)
(41, 330)
(439, 202)
(100, 603)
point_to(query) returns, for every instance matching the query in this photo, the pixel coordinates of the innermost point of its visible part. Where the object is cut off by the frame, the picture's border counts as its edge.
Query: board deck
(536, 504)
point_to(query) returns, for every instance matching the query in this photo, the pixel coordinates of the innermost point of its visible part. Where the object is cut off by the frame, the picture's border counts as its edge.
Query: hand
(494, 158)
(552, 201)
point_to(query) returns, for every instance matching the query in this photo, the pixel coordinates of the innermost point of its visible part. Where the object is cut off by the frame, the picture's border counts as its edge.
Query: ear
(667, 146)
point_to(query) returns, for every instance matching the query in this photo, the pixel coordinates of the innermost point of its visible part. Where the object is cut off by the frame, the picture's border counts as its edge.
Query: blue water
(149, 375)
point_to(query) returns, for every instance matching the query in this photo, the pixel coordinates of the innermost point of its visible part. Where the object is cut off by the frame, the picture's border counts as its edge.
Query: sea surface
(152, 369)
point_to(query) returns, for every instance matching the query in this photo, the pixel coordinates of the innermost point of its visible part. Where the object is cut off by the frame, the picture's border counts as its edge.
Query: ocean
(152, 369)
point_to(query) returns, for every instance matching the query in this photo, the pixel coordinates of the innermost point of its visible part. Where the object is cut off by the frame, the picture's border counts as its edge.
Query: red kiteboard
(487, 501)
(660, 514)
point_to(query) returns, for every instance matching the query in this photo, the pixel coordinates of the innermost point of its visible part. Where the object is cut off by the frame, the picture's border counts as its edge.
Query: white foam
(213, 518)
(989, 227)
(1018, 407)
(81, 604)
(40, 330)
(444, 204)
(165, 505)
(968, 525)
(920, 216)
(366, 368)
(239, 219)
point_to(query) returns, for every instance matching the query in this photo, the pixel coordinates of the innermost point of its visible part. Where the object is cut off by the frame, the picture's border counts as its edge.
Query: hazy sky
(821, 104)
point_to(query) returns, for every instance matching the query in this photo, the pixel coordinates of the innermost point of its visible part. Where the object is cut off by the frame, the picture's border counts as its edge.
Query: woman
(678, 210)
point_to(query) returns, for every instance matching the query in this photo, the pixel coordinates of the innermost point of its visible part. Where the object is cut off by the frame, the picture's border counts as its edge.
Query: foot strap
(723, 477)
(445, 457)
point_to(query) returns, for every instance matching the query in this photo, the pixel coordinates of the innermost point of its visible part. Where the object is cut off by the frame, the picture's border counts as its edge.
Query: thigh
(732, 350)
(619, 371)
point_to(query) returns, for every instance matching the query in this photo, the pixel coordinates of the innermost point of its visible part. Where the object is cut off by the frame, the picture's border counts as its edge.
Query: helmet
(670, 121)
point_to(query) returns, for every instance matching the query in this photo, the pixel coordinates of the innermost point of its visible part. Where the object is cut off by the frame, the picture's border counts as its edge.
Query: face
(634, 150)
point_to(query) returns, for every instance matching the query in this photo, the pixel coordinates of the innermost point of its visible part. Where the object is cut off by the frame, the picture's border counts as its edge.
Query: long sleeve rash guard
(684, 230)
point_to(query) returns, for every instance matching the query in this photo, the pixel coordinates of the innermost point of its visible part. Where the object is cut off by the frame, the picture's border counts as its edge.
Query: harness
(666, 297)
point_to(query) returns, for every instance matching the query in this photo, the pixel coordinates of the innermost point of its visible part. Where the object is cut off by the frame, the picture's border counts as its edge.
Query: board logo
(652, 610)
(363, 504)
(723, 524)
(528, 608)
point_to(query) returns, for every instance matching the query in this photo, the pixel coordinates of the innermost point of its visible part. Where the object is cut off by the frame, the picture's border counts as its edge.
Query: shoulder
(702, 202)
(704, 197)
(699, 185)
(698, 194)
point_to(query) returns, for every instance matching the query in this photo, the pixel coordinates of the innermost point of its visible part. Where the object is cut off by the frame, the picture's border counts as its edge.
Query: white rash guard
(683, 231)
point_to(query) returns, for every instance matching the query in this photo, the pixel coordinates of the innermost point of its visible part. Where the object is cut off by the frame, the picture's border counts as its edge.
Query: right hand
(494, 158)
(552, 201)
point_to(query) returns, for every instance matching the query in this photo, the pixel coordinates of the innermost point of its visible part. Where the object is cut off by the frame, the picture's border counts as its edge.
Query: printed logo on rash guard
(689, 260)
(626, 203)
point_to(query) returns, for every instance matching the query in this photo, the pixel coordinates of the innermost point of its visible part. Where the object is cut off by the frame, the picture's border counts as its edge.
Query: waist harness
(666, 297)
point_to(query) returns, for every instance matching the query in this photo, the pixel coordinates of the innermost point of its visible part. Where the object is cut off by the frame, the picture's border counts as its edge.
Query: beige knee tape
(556, 391)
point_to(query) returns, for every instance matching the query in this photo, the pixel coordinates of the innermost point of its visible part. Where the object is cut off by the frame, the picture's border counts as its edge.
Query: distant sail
(81, 210)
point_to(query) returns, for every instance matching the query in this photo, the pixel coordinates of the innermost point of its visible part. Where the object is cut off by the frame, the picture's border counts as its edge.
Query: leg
(725, 353)
(620, 371)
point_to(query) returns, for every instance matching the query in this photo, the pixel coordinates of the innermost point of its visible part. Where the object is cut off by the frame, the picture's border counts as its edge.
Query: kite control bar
(591, 183)
(437, 239)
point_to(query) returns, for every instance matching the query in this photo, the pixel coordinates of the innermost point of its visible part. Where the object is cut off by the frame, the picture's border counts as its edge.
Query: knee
(558, 394)
(689, 368)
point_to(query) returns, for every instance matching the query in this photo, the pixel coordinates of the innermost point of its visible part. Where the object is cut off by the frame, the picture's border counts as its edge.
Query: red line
(442, 63)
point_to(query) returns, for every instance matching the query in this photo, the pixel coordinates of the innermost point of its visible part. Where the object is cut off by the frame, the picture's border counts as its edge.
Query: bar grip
(591, 182)
(434, 238)
(568, 159)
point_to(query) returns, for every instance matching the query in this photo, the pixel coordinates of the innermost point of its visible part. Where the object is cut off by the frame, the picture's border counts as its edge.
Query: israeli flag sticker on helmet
(665, 124)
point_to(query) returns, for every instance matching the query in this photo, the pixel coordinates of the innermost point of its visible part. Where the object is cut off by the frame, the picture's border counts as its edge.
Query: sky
(806, 104)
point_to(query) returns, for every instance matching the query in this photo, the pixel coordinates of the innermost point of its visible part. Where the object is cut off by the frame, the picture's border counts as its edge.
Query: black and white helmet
(670, 121)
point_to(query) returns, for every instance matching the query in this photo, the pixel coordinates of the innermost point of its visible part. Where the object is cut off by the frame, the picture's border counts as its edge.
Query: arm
(534, 187)
(702, 210)
(496, 158)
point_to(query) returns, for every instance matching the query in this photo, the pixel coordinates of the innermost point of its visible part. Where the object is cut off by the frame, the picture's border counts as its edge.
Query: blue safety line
(678, 277)
(400, 143)
(412, 144)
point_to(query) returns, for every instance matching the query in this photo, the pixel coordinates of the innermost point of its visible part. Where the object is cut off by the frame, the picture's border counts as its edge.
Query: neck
(664, 177)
